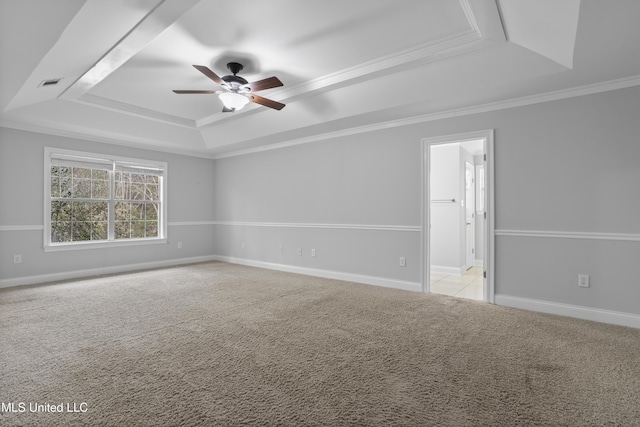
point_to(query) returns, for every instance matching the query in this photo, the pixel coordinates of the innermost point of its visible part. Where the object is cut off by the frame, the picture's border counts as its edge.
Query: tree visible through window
(79, 204)
(137, 204)
(96, 199)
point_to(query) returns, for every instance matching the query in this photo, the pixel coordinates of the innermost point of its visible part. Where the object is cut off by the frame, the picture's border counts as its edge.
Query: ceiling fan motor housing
(235, 67)
(234, 82)
(230, 80)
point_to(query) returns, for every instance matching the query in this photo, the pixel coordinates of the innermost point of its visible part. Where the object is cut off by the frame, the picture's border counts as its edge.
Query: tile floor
(467, 285)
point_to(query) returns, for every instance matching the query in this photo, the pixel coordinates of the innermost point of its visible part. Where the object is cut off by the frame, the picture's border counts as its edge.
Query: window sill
(80, 246)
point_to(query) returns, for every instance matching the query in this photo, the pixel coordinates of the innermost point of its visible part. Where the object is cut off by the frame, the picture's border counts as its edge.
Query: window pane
(100, 211)
(151, 211)
(60, 231)
(65, 172)
(100, 231)
(80, 231)
(99, 174)
(81, 211)
(152, 228)
(122, 229)
(99, 189)
(55, 186)
(81, 172)
(60, 211)
(152, 179)
(123, 211)
(152, 192)
(137, 191)
(81, 188)
(122, 190)
(137, 211)
(138, 177)
(65, 187)
(137, 229)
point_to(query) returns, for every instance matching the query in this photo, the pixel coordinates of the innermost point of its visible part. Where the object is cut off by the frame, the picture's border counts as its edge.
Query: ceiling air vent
(49, 82)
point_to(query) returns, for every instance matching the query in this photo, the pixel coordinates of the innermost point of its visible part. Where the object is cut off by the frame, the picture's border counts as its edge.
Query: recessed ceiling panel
(296, 41)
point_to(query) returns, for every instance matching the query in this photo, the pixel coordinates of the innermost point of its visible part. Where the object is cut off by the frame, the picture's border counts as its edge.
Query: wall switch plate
(313, 252)
(17, 259)
(281, 249)
(403, 261)
(242, 245)
(583, 280)
(179, 245)
(300, 251)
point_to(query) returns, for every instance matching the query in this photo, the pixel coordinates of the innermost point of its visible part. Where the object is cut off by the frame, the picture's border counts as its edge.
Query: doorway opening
(457, 246)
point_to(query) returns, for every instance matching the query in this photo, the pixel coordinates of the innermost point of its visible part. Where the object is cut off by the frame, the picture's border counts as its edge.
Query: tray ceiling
(344, 64)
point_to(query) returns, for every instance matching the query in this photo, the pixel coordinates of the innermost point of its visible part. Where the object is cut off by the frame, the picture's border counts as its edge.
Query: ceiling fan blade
(196, 91)
(266, 102)
(207, 72)
(264, 84)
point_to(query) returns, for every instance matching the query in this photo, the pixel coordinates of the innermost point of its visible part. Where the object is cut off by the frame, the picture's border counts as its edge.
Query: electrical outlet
(300, 251)
(17, 259)
(179, 245)
(403, 261)
(583, 280)
(313, 252)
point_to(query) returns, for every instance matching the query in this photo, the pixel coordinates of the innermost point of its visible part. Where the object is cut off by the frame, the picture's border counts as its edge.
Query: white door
(470, 213)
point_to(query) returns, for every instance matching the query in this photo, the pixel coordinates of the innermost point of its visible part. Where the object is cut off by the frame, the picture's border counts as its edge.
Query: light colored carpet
(221, 344)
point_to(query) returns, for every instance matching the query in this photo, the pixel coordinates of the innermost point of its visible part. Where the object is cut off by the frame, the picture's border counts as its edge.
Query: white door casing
(469, 217)
(489, 204)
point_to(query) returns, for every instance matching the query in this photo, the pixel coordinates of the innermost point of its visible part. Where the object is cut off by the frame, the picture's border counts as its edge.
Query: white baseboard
(77, 274)
(447, 270)
(327, 274)
(580, 312)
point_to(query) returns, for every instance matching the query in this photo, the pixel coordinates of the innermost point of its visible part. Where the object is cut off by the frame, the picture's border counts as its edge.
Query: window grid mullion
(112, 206)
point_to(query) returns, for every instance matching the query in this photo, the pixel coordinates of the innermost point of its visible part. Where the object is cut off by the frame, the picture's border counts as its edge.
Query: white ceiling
(345, 65)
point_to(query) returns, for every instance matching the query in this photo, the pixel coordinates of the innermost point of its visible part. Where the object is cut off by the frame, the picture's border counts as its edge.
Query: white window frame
(92, 244)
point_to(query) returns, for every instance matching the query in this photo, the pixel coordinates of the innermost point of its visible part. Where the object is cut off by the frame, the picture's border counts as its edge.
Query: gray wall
(566, 166)
(358, 183)
(190, 202)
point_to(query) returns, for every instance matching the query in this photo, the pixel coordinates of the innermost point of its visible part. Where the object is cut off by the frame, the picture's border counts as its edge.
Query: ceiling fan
(237, 92)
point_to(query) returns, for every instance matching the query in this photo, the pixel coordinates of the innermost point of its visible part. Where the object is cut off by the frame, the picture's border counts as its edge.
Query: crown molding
(134, 110)
(590, 89)
(69, 132)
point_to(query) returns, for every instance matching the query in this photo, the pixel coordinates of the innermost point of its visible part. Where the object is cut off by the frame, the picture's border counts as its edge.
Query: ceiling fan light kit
(233, 101)
(237, 92)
